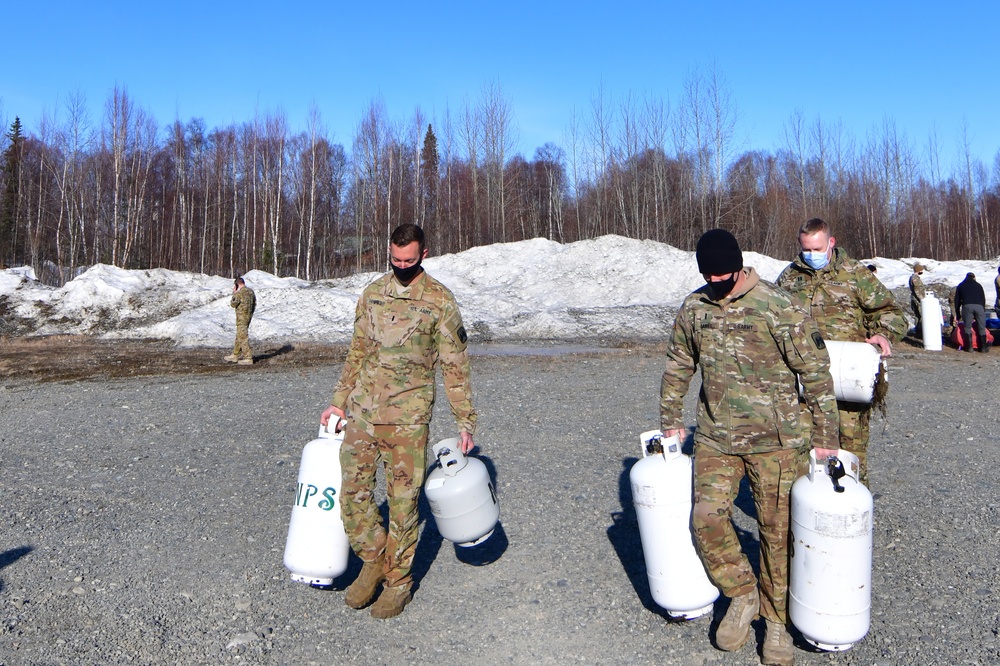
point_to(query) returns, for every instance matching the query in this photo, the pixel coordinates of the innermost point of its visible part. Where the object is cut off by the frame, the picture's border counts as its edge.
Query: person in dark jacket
(970, 301)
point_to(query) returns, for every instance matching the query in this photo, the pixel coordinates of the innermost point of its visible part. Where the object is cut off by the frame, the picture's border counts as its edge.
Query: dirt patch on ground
(74, 357)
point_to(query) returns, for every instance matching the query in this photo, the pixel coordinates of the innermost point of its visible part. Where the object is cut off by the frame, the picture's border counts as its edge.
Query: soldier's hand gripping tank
(406, 322)
(847, 303)
(751, 342)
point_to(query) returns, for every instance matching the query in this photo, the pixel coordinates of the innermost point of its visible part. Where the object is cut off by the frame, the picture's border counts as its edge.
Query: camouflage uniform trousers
(242, 347)
(855, 426)
(716, 483)
(402, 450)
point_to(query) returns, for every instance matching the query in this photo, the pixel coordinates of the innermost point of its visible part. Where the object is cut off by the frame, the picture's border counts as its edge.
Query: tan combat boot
(391, 602)
(361, 591)
(245, 361)
(231, 358)
(777, 650)
(734, 630)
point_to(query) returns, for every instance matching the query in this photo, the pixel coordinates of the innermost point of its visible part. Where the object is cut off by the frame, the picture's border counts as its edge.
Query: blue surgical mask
(817, 260)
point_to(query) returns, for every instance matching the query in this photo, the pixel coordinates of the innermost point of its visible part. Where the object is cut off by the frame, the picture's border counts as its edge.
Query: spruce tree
(10, 196)
(429, 178)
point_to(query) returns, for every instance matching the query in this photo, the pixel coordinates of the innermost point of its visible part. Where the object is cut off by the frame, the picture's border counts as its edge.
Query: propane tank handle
(653, 442)
(338, 425)
(449, 455)
(848, 463)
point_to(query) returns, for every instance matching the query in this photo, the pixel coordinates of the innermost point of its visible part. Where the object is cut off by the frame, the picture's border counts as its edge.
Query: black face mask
(719, 290)
(404, 275)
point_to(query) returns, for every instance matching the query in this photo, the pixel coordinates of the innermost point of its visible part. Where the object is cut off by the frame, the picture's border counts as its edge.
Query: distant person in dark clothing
(970, 301)
(996, 285)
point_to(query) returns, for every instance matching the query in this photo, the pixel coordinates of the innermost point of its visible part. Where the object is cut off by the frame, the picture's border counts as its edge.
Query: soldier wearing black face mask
(406, 325)
(750, 343)
(720, 262)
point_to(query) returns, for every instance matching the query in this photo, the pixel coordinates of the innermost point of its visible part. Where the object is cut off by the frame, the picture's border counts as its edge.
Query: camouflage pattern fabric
(400, 336)
(855, 426)
(386, 389)
(245, 302)
(717, 481)
(750, 347)
(917, 292)
(402, 451)
(847, 303)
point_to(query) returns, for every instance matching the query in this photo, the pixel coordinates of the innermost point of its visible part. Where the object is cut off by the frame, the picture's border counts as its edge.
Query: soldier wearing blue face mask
(848, 303)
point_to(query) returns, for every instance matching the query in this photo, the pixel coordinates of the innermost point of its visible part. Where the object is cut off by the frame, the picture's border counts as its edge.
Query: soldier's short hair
(814, 226)
(408, 233)
(241, 281)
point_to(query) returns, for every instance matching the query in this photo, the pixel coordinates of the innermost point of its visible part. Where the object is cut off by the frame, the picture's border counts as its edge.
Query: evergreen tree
(430, 179)
(10, 196)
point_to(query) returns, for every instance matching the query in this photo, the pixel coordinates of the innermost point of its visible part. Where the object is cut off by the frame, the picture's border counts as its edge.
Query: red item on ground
(958, 337)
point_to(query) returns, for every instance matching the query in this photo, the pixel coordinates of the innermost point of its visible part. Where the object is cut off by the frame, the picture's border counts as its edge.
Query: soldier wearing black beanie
(718, 253)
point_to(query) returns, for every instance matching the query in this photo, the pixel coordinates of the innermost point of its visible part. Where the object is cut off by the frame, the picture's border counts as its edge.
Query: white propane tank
(931, 321)
(317, 549)
(661, 492)
(830, 574)
(855, 367)
(461, 495)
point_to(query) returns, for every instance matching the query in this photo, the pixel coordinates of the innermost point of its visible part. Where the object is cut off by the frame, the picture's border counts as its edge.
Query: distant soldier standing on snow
(752, 343)
(245, 302)
(848, 304)
(405, 325)
(917, 292)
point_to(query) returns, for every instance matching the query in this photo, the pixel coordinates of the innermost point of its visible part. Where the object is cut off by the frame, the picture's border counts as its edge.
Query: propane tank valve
(835, 468)
(654, 445)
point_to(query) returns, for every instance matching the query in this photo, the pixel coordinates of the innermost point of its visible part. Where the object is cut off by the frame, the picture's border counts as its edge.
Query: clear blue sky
(927, 66)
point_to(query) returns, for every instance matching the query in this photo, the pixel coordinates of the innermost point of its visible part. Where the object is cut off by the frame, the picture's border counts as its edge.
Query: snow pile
(536, 289)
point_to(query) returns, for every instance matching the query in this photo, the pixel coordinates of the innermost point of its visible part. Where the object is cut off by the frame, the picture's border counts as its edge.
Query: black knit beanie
(718, 253)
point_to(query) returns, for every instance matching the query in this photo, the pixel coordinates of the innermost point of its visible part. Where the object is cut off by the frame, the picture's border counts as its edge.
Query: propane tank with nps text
(830, 574)
(317, 548)
(461, 495)
(661, 492)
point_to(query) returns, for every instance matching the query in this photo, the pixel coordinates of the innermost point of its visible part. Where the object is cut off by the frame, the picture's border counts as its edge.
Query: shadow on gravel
(271, 353)
(8, 557)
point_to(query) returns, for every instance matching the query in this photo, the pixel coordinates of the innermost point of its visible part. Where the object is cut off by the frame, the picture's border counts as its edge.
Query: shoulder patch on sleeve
(818, 340)
(462, 335)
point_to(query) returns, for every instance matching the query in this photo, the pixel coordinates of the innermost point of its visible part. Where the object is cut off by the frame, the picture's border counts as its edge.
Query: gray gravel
(145, 521)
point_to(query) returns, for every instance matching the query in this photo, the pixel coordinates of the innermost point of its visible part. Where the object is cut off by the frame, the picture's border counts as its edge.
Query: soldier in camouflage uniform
(917, 292)
(406, 323)
(751, 343)
(245, 302)
(848, 303)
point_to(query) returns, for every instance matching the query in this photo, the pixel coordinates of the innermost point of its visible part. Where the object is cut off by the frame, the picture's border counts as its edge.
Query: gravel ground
(145, 520)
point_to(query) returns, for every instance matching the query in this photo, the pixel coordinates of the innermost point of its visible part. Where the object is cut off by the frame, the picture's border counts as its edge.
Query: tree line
(124, 191)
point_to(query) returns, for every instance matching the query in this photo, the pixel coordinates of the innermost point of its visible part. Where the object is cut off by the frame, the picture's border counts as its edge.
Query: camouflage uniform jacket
(750, 347)
(917, 289)
(400, 335)
(847, 301)
(245, 302)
